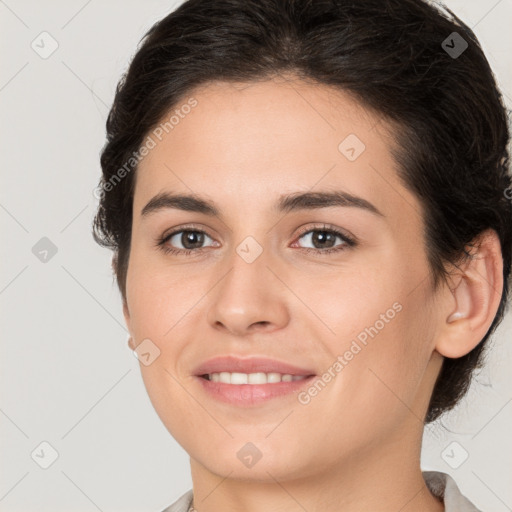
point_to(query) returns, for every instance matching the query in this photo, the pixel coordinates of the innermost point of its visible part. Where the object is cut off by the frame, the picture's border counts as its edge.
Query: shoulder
(444, 486)
(182, 504)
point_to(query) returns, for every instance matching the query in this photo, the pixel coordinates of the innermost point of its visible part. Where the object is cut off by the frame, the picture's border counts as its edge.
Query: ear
(126, 313)
(472, 298)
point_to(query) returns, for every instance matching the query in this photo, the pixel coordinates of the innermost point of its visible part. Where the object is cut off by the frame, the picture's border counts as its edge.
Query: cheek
(349, 300)
(381, 332)
(160, 298)
(160, 305)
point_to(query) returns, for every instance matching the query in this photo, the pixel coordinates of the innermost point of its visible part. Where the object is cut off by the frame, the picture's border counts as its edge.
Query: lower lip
(245, 395)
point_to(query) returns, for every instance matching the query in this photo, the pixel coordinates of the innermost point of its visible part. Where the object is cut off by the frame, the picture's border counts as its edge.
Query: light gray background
(67, 374)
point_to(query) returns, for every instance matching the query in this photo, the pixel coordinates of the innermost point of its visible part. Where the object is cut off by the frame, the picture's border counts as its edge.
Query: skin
(356, 445)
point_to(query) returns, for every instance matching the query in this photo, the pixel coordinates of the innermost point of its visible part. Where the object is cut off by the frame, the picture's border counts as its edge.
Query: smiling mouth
(258, 378)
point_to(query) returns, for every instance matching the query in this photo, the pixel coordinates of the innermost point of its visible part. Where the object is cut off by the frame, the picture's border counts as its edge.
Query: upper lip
(249, 365)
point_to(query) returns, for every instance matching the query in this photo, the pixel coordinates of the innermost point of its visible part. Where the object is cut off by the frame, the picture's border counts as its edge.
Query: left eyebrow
(285, 203)
(313, 200)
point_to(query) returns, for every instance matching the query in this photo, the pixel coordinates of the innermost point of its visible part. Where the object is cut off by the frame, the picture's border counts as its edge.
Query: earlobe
(131, 343)
(126, 314)
(477, 295)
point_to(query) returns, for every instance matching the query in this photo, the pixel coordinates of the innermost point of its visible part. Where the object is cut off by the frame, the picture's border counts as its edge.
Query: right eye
(191, 240)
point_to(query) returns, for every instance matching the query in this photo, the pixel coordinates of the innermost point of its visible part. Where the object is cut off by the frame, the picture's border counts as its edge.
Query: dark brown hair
(398, 58)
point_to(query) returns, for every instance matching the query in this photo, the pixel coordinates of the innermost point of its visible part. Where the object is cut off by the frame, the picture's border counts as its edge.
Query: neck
(385, 477)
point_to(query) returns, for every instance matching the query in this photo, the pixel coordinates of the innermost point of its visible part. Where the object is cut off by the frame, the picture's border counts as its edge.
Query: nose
(249, 298)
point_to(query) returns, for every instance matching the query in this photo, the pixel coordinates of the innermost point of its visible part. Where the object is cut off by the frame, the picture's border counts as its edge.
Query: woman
(309, 211)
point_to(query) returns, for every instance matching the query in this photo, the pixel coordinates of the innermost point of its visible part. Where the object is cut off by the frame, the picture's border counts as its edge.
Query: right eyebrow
(190, 203)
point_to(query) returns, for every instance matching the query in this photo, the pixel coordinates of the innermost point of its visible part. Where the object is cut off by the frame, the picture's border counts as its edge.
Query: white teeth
(252, 378)
(255, 378)
(236, 378)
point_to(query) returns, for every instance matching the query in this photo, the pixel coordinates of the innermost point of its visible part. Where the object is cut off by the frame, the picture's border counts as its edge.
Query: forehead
(255, 141)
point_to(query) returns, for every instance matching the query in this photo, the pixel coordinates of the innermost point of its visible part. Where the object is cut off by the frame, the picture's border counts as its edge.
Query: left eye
(324, 239)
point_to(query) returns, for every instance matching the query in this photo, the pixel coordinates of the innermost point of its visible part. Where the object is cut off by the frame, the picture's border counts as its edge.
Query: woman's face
(258, 280)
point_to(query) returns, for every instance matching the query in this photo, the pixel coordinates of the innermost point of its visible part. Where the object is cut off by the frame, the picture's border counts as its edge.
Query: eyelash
(349, 242)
